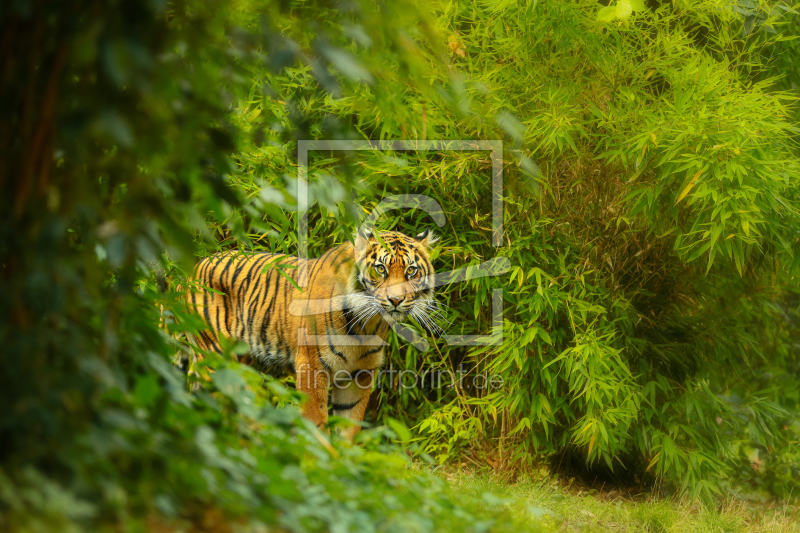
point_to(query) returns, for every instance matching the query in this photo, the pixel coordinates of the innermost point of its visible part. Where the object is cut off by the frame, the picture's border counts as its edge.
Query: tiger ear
(426, 238)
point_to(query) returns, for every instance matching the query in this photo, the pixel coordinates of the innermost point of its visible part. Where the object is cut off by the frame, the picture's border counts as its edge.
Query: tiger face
(397, 280)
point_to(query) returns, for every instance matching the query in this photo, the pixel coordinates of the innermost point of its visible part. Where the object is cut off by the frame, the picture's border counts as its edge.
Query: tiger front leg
(312, 380)
(350, 397)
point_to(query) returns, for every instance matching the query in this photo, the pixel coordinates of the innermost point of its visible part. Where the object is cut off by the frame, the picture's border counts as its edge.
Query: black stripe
(283, 325)
(374, 331)
(208, 295)
(192, 294)
(345, 406)
(204, 266)
(330, 345)
(268, 311)
(206, 313)
(321, 360)
(210, 341)
(329, 324)
(370, 352)
(238, 270)
(253, 303)
(239, 308)
(226, 296)
(257, 267)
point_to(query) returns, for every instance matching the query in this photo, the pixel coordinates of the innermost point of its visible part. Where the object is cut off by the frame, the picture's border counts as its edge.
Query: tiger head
(396, 277)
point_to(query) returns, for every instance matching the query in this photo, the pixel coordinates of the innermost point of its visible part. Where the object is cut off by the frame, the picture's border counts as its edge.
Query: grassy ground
(555, 505)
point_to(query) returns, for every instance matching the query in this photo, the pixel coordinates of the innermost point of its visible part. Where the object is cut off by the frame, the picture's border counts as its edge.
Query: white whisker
(429, 307)
(365, 307)
(420, 313)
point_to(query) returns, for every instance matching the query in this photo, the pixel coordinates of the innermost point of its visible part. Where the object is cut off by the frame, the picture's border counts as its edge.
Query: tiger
(325, 320)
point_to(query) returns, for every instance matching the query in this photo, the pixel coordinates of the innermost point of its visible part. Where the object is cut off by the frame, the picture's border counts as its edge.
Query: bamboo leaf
(653, 462)
(688, 188)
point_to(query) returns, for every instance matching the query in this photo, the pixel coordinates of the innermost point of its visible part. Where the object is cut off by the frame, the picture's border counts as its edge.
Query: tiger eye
(377, 271)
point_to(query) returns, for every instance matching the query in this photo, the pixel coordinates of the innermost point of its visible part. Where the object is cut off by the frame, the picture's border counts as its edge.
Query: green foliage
(651, 211)
(100, 431)
(232, 448)
(650, 220)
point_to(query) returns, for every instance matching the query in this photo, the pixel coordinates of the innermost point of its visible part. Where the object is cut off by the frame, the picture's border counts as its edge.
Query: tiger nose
(396, 301)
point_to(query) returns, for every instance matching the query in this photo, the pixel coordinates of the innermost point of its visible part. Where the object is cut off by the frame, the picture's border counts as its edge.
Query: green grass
(549, 504)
